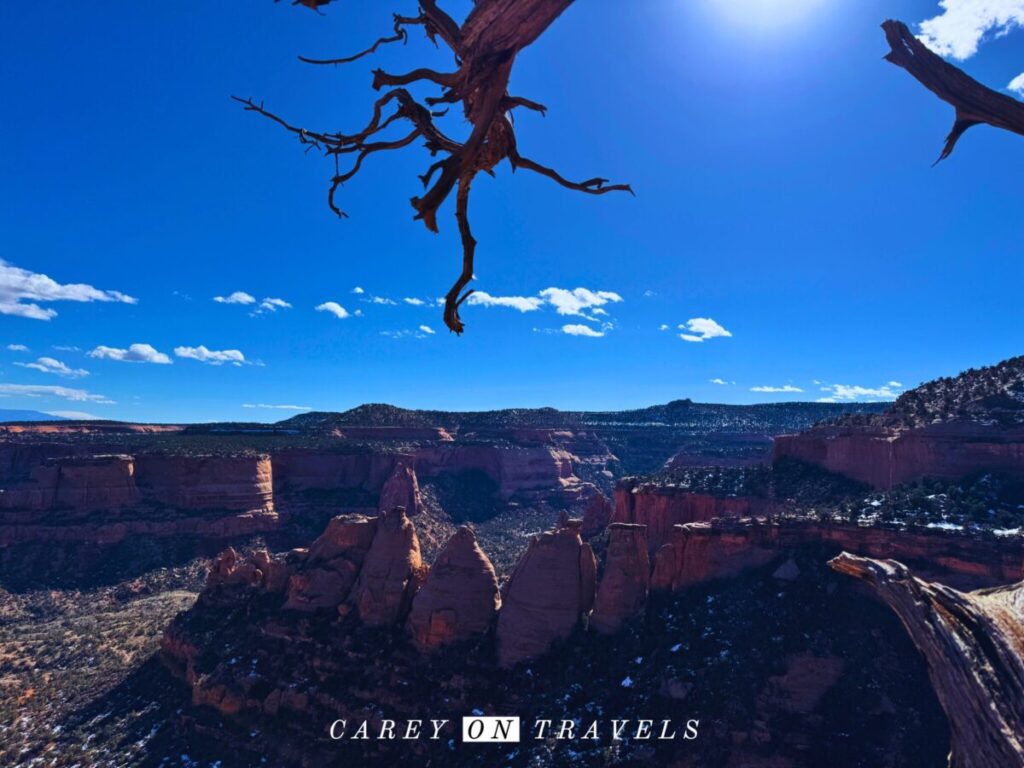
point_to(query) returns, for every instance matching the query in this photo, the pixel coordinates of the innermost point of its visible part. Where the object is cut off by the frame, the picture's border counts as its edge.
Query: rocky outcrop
(974, 646)
(596, 515)
(207, 482)
(84, 484)
(260, 570)
(459, 598)
(885, 456)
(660, 507)
(330, 568)
(402, 489)
(699, 552)
(626, 578)
(391, 573)
(550, 590)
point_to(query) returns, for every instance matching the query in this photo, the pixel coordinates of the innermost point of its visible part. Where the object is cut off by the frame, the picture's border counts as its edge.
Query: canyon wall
(886, 456)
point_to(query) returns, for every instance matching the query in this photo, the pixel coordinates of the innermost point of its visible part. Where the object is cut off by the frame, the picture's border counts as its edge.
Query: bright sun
(765, 14)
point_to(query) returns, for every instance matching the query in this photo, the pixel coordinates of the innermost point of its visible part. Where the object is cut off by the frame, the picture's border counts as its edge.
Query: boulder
(626, 579)
(459, 598)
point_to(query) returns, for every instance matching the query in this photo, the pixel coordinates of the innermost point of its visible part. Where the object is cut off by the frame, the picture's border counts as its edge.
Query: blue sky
(785, 196)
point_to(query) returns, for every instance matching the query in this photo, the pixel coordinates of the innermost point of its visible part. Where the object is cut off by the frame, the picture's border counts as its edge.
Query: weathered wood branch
(974, 103)
(484, 49)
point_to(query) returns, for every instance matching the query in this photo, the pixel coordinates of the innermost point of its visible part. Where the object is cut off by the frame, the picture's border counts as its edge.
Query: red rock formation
(459, 598)
(206, 482)
(596, 515)
(886, 456)
(660, 507)
(551, 588)
(699, 552)
(626, 578)
(84, 484)
(332, 565)
(402, 490)
(259, 570)
(304, 470)
(974, 646)
(391, 573)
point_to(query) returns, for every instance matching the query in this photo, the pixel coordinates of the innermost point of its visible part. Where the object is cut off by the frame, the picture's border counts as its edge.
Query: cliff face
(974, 646)
(661, 507)
(85, 484)
(699, 552)
(241, 483)
(885, 456)
(624, 584)
(550, 590)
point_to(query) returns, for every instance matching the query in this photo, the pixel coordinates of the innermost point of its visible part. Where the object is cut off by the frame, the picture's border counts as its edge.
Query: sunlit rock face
(550, 590)
(974, 645)
(622, 593)
(459, 598)
(391, 572)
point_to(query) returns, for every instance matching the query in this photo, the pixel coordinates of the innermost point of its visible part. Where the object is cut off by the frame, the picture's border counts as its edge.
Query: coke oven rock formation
(974, 646)
(549, 591)
(459, 598)
(391, 572)
(331, 566)
(626, 578)
(402, 489)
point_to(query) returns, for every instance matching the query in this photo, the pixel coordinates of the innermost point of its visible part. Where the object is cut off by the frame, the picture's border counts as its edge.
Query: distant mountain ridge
(8, 415)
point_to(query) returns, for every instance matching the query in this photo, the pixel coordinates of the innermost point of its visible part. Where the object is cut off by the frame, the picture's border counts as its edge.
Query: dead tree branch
(484, 48)
(974, 103)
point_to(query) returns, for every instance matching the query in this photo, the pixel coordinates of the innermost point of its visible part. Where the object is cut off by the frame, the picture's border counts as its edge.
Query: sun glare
(766, 14)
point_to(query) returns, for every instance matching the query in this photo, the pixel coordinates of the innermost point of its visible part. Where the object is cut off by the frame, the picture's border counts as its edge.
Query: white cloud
(964, 24)
(20, 289)
(334, 308)
(271, 304)
(663, 327)
(357, 290)
(702, 329)
(721, 382)
(788, 388)
(211, 356)
(238, 297)
(582, 330)
(278, 407)
(414, 302)
(522, 303)
(33, 390)
(79, 415)
(17, 348)
(576, 302)
(427, 330)
(649, 293)
(52, 365)
(136, 353)
(844, 393)
(382, 300)
(1017, 84)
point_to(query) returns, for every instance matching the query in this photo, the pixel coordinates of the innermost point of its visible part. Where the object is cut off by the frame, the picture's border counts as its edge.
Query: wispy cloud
(845, 393)
(238, 297)
(136, 353)
(17, 348)
(211, 356)
(278, 407)
(382, 300)
(358, 291)
(698, 329)
(333, 308)
(271, 304)
(67, 393)
(786, 389)
(582, 330)
(414, 301)
(521, 303)
(579, 301)
(427, 330)
(721, 382)
(79, 415)
(54, 366)
(20, 289)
